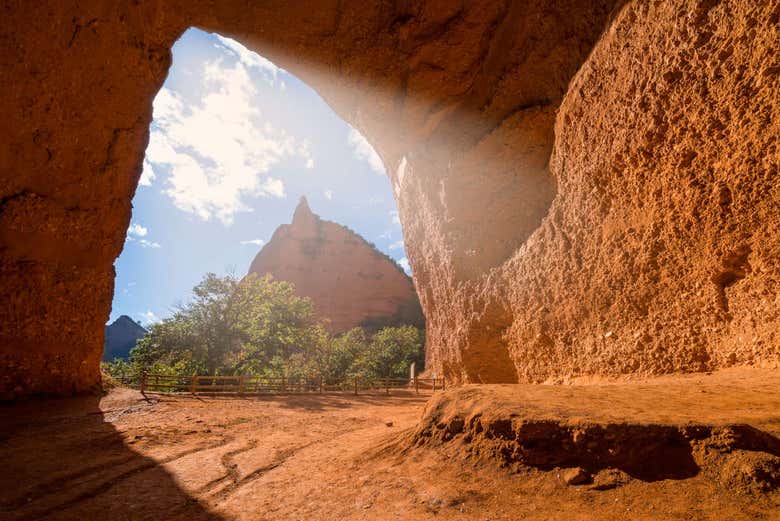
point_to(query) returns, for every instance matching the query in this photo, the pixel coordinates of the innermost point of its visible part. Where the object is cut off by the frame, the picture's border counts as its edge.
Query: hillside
(349, 281)
(121, 336)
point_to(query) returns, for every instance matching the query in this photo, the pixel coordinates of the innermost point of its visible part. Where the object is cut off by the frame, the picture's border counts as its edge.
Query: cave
(558, 166)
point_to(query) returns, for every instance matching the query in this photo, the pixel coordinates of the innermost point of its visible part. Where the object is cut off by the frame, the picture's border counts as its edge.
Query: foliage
(258, 326)
(231, 326)
(390, 353)
(117, 369)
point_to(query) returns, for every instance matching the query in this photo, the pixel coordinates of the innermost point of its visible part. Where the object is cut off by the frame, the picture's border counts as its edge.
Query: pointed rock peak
(124, 321)
(303, 213)
(303, 204)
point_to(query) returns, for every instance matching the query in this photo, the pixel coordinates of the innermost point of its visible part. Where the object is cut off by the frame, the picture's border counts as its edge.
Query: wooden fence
(249, 385)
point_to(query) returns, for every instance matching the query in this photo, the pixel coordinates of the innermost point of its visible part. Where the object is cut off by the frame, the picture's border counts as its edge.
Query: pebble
(576, 476)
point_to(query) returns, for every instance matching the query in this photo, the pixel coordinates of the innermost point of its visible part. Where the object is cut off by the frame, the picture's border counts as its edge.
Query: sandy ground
(326, 457)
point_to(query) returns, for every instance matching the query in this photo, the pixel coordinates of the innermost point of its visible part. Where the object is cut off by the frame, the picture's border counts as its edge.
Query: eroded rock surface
(585, 187)
(349, 281)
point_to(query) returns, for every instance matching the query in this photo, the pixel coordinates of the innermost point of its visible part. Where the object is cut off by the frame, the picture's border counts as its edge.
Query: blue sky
(234, 143)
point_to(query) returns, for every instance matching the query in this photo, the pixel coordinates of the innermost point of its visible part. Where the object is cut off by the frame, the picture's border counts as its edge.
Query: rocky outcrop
(121, 336)
(349, 281)
(586, 187)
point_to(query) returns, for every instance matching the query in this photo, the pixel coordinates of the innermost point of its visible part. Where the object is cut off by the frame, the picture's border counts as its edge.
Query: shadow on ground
(84, 469)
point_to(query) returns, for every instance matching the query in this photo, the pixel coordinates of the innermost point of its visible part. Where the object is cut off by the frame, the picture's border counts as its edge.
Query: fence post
(416, 385)
(320, 384)
(144, 376)
(192, 384)
(387, 385)
(356, 385)
(284, 386)
(241, 385)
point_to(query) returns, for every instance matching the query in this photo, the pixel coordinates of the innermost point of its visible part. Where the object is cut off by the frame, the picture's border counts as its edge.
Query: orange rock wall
(349, 282)
(586, 187)
(661, 251)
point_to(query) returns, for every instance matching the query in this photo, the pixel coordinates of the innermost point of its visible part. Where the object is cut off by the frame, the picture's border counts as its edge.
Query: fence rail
(248, 385)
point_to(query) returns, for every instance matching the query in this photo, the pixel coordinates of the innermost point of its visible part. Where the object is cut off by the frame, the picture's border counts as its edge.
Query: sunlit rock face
(350, 283)
(586, 187)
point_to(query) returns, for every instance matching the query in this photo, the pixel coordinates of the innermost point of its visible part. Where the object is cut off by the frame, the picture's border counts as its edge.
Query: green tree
(258, 326)
(273, 322)
(231, 326)
(344, 350)
(118, 368)
(390, 353)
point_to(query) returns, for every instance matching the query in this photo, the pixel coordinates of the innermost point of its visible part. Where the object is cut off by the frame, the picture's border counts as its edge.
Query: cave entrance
(460, 102)
(238, 149)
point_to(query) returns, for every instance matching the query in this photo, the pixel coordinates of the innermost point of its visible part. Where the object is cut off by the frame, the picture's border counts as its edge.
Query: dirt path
(336, 457)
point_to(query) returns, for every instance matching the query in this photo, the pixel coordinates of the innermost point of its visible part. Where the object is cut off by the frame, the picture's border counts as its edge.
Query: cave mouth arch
(507, 165)
(450, 96)
(235, 143)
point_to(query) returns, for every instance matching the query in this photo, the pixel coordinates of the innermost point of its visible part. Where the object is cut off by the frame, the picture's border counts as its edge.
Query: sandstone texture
(586, 187)
(349, 281)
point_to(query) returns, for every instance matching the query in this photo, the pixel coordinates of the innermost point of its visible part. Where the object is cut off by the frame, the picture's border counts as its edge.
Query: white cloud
(305, 152)
(395, 218)
(397, 245)
(134, 233)
(147, 175)
(148, 317)
(256, 242)
(137, 230)
(404, 263)
(143, 242)
(148, 244)
(250, 59)
(328, 194)
(217, 150)
(363, 150)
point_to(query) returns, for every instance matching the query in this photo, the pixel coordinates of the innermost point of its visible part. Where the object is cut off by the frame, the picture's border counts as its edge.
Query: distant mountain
(121, 336)
(349, 281)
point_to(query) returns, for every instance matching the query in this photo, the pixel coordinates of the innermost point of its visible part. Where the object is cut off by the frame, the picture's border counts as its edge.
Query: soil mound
(565, 428)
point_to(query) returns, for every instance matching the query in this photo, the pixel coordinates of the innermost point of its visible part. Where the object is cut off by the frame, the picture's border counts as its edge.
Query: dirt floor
(334, 457)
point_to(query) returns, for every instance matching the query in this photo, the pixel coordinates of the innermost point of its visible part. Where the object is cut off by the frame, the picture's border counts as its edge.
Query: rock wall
(349, 281)
(586, 187)
(661, 252)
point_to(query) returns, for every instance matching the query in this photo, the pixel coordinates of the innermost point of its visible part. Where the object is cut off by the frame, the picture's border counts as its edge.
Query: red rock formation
(586, 187)
(349, 281)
